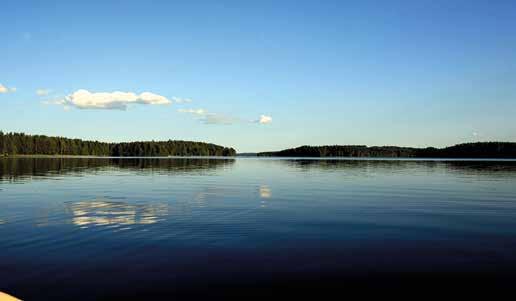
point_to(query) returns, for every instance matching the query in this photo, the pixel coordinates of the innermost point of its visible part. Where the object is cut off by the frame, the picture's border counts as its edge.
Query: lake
(112, 228)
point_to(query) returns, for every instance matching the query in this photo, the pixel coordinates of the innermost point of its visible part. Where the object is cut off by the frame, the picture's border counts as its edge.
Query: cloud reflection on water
(265, 192)
(101, 212)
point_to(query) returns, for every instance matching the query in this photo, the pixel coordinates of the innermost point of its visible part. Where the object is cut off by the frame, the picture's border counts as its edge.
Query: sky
(261, 75)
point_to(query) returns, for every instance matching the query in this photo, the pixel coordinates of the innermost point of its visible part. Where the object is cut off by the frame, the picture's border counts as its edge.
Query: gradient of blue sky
(411, 73)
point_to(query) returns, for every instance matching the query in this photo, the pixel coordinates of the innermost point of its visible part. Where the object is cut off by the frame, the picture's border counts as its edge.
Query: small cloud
(213, 118)
(56, 101)
(84, 99)
(43, 92)
(216, 118)
(264, 119)
(4, 89)
(181, 100)
(193, 111)
(210, 118)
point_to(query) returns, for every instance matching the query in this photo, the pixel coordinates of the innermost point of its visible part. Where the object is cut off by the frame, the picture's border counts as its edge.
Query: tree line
(465, 150)
(23, 144)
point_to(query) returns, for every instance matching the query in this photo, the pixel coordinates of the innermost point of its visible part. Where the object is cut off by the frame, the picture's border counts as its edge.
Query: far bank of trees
(22, 144)
(466, 150)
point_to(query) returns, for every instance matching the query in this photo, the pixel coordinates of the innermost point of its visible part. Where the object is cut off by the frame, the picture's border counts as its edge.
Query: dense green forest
(22, 144)
(466, 150)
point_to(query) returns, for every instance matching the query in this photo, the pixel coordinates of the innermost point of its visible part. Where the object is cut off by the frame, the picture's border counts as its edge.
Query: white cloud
(4, 89)
(181, 100)
(56, 101)
(117, 100)
(216, 118)
(213, 118)
(193, 111)
(210, 118)
(43, 92)
(264, 119)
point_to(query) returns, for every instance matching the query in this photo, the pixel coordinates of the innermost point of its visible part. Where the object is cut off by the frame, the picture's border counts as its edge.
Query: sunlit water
(91, 228)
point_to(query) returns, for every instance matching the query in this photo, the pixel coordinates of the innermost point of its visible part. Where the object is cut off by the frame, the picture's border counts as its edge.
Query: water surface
(91, 228)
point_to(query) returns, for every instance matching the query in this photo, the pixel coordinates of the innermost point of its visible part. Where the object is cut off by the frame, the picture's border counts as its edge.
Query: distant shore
(111, 157)
(256, 157)
(495, 150)
(23, 144)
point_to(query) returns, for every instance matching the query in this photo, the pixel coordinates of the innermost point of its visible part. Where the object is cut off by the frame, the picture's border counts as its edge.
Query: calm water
(110, 228)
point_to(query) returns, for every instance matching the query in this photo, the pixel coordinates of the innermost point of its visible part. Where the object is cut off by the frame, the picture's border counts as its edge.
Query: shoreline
(109, 157)
(436, 159)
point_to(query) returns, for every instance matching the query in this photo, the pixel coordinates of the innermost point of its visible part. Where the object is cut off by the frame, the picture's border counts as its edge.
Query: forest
(465, 150)
(23, 144)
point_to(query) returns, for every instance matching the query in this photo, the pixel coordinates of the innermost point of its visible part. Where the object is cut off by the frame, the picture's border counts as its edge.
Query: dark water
(93, 229)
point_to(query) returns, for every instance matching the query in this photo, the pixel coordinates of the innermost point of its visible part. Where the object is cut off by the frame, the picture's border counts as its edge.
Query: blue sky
(412, 73)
